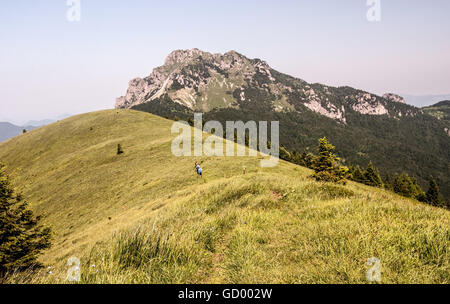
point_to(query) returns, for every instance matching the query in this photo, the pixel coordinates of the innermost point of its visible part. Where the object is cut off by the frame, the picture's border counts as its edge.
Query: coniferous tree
(306, 159)
(372, 177)
(387, 183)
(418, 193)
(408, 187)
(295, 157)
(284, 154)
(22, 238)
(326, 164)
(401, 184)
(357, 174)
(433, 195)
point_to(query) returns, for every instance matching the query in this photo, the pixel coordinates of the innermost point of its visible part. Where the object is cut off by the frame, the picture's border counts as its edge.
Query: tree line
(328, 167)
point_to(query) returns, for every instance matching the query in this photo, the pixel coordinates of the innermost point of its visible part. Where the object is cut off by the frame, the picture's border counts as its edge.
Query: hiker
(198, 170)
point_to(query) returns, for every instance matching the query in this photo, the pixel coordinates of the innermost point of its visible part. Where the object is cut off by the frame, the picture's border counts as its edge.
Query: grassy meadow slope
(144, 217)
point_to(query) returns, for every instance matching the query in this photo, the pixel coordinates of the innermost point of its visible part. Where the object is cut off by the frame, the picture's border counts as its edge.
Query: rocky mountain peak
(181, 56)
(202, 81)
(233, 55)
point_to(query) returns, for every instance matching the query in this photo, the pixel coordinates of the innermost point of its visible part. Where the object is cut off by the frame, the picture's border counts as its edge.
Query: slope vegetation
(365, 127)
(144, 217)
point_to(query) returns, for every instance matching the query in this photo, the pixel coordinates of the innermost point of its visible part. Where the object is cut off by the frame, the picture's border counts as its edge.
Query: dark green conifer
(387, 183)
(357, 174)
(22, 238)
(372, 176)
(433, 195)
(408, 187)
(326, 164)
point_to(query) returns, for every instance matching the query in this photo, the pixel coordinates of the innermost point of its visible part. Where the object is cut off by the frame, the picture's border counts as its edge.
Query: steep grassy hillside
(144, 216)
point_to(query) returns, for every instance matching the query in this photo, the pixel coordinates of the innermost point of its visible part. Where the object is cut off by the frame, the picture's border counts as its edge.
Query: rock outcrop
(394, 98)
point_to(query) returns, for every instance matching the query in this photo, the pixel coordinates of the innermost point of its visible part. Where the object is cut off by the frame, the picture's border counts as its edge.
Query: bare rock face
(201, 81)
(368, 104)
(326, 108)
(394, 98)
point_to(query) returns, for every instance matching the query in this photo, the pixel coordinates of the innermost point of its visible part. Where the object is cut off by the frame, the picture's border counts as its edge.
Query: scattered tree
(387, 183)
(326, 164)
(119, 149)
(372, 176)
(357, 174)
(433, 195)
(306, 159)
(407, 187)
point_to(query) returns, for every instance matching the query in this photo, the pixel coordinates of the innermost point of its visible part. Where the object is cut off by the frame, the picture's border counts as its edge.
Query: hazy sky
(50, 66)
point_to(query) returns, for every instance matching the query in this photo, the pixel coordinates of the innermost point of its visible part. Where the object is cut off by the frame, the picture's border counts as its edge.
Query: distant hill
(363, 126)
(144, 216)
(8, 130)
(44, 122)
(40, 123)
(440, 110)
(424, 100)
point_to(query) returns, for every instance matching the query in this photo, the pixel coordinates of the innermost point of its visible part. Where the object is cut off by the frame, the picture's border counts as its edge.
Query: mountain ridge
(190, 77)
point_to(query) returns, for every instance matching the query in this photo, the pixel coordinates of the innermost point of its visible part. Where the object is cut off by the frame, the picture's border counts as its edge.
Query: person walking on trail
(198, 169)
